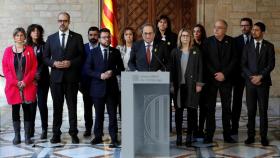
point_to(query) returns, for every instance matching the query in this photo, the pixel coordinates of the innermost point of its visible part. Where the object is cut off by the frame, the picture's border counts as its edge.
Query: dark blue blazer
(262, 64)
(160, 57)
(85, 79)
(73, 51)
(95, 66)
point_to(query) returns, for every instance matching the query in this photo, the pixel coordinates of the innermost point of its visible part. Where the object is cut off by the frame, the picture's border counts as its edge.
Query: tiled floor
(42, 148)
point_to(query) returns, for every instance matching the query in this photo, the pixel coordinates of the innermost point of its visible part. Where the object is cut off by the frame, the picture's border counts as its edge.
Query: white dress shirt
(66, 37)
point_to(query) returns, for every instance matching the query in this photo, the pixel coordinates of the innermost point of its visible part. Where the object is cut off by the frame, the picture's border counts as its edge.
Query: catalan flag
(109, 19)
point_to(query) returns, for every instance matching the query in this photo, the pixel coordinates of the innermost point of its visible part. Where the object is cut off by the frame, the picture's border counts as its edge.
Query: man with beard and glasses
(93, 33)
(64, 53)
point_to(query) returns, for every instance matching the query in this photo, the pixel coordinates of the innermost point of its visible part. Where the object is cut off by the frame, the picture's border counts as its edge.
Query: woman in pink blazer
(19, 67)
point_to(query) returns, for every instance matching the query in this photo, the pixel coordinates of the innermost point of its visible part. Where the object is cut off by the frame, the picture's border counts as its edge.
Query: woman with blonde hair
(186, 78)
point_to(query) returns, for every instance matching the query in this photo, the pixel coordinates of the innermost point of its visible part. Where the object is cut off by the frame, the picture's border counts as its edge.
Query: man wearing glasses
(221, 59)
(238, 81)
(63, 53)
(146, 55)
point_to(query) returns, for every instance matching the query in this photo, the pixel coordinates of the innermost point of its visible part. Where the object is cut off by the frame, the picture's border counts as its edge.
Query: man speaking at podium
(146, 55)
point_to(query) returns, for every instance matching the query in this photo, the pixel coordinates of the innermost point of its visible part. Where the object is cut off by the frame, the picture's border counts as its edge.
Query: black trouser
(225, 94)
(42, 98)
(257, 96)
(87, 110)
(238, 89)
(111, 105)
(202, 109)
(26, 112)
(191, 114)
(58, 91)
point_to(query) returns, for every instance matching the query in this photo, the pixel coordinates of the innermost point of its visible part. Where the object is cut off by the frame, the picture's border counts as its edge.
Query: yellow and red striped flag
(109, 19)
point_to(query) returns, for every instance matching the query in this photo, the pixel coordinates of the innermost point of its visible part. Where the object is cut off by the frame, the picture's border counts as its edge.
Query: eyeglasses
(62, 21)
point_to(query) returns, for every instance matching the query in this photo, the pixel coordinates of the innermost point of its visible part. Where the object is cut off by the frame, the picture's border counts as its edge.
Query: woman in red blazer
(19, 67)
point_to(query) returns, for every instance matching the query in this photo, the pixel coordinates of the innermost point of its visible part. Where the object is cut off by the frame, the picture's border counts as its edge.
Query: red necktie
(148, 54)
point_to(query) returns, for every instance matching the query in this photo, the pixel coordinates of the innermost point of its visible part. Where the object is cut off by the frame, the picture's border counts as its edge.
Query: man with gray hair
(220, 53)
(146, 55)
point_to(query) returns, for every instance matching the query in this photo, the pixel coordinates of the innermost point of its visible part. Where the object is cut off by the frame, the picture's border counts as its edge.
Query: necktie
(148, 54)
(247, 39)
(63, 40)
(258, 49)
(105, 56)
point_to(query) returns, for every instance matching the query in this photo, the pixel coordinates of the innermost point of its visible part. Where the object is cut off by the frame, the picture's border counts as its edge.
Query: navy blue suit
(85, 89)
(104, 91)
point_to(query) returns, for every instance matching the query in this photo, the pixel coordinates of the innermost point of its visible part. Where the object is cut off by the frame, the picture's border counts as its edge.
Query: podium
(145, 114)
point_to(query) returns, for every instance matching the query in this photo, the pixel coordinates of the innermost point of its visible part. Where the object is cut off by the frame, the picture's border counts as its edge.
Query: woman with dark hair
(127, 37)
(35, 34)
(165, 35)
(164, 32)
(19, 66)
(199, 34)
(186, 76)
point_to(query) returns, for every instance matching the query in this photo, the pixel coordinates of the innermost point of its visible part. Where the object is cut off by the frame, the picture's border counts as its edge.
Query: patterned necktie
(148, 54)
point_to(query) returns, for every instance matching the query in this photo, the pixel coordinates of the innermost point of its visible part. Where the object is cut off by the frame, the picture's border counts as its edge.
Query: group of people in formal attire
(199, 67)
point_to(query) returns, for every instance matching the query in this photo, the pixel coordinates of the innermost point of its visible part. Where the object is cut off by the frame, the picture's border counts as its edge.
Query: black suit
(221, 57)
(160, 57)
(238, 84)
(64, 82)
(258, 64)
(104, 91)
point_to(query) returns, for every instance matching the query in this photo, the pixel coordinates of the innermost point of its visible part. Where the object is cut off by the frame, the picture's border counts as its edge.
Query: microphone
(160, 62)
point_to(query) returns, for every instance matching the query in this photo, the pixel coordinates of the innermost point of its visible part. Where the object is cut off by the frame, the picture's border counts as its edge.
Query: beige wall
(267, 11)
(15, 13)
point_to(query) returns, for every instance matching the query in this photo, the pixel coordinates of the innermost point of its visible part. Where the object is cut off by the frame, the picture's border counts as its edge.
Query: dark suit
(104, 91)
(238, 85)
(221, 57)
(160, 57)
(64, 82)
(85, 89)
(258, 64)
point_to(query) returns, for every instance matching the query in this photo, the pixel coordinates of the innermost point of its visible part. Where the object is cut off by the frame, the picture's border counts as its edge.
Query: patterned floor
(42, 148)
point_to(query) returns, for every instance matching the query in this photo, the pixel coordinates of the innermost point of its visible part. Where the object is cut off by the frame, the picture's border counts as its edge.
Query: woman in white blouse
(127, 37)
(126, 40)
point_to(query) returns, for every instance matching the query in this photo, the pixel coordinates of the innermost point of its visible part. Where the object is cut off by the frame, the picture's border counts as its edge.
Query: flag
(109, 20)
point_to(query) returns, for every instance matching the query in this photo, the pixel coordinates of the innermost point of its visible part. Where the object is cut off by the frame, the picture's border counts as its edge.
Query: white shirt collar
(151, 44)
(260, 41)
(66, 32)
